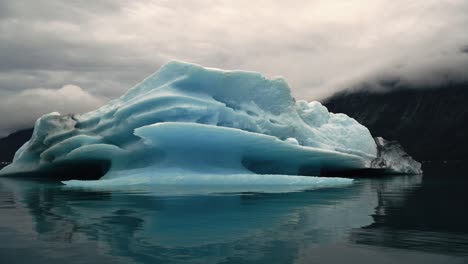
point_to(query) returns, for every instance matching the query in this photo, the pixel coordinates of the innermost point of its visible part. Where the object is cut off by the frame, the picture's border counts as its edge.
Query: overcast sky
(72, 56)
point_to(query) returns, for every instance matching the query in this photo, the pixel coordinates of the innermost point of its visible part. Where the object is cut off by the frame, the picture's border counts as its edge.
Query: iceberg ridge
(187, 119)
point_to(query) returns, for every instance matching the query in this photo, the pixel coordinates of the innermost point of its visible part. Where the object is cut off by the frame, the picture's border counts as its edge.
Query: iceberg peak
(203, 120)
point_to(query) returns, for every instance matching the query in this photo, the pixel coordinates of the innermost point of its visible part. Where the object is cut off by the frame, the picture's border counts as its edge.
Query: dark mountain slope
(431, 124)
(10, 144)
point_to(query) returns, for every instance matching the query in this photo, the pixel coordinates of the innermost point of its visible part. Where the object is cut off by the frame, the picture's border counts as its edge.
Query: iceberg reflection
(146, 225)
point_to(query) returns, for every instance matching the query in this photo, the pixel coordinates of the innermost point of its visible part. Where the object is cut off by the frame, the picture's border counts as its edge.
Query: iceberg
(187, 124)
(391, 155)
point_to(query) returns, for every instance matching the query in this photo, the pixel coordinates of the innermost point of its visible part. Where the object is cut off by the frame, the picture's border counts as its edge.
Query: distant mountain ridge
(430, 123)
(10, 144)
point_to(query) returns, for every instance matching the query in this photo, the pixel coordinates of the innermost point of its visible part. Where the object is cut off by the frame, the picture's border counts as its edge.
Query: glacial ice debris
(185, 121)
(391, 156)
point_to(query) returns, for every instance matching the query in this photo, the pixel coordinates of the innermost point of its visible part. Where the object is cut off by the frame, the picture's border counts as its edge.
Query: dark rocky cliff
(431, 124)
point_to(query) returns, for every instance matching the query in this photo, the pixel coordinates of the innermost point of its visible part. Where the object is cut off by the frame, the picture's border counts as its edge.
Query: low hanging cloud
(318, 46)
(20, 111)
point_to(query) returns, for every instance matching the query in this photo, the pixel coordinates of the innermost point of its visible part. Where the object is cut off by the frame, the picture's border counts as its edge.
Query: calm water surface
(401, 219)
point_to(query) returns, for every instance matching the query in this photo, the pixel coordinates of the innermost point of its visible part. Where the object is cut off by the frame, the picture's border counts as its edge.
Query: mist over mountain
(431, 123)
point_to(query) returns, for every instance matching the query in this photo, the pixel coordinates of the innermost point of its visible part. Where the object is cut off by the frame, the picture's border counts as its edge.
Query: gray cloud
(22, 109)
(319, 46)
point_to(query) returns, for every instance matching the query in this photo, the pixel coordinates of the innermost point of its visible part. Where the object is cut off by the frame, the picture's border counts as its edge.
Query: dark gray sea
(398, 219)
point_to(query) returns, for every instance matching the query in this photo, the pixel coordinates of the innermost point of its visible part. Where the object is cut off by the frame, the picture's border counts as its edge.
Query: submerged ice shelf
(187, 124)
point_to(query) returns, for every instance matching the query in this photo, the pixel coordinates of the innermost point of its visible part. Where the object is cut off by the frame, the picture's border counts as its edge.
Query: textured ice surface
(186, 121)
(392, 156)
